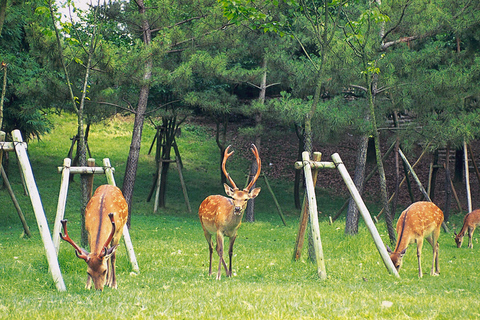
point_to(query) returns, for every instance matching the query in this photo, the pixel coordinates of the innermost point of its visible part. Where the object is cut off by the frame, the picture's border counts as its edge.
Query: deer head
(97, 262)
(241, 197)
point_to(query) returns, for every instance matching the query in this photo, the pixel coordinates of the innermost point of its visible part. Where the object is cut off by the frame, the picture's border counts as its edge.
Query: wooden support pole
(157, 188)
(297, 252)
(184, 187)
(126, 234)
(90, 164)
(313, 213)
(20, 148)
(279, 209)
(16, 204)
(362, 208)
(62, 200)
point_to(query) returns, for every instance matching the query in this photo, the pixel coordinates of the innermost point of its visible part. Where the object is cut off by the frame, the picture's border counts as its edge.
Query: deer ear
(388, 249)
(402, 253)
(254, 193)
(109, 251)
(228, 190)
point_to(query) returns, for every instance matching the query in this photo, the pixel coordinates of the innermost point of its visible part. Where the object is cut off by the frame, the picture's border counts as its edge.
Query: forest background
(377, 72)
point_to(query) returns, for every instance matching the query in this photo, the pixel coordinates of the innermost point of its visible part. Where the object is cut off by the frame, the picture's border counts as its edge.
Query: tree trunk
(378, 153)
(298, 172)
(351, 224)
(134, 153)
(170, 126)
(3, 13)
(250, 214)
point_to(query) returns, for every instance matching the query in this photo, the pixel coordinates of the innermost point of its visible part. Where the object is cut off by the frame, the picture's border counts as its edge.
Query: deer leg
(89, 283)
(437, 267)
(220, 255)
(419, 257)
(470, 236)
(208, 236)
(230, 254)
(432, 240)
(112, 276)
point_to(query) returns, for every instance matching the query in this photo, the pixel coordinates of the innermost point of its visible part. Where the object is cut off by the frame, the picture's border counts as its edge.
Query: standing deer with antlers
(420, 220)
(105, 216)
(222, 216)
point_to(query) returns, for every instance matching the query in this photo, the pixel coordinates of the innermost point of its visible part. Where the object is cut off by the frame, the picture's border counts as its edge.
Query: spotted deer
(222, 216)
(105, 216)
(470, 222)
(420, 220)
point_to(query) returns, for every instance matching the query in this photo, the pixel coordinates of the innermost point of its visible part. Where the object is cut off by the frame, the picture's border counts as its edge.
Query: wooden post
(16, 204)
(91, 164)
(313, 213)
(52, 259)
(414, 175)
(184, 187)
(365, 214)
(297, 252)
(126, 235)
(157, 188)
(62, 200)
(279, 209)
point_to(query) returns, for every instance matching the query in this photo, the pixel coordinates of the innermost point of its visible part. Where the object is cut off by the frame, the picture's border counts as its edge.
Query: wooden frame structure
(20, 148)
(66, 170)
(311, 203)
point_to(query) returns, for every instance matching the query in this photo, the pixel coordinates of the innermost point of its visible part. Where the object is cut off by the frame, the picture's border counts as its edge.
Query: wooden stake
(51, 254)
(365, 214)
(297, 252)
(312, 210)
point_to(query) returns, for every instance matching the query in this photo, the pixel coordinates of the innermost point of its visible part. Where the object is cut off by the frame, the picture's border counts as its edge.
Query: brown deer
(420, 220)
(470, 222)
(222, 216)
(105, 216)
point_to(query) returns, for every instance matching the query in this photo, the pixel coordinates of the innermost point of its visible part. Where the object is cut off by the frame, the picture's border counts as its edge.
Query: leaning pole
(21, 150)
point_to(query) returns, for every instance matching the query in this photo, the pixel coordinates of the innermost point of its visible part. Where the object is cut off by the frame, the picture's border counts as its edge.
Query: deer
(222, 216)
(421, 220)
(105, 215)
(470, 222)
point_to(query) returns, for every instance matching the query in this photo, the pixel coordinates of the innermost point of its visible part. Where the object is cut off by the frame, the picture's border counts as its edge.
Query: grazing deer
(105, 216)
(420, 220)
(222, 216)
(470, 222)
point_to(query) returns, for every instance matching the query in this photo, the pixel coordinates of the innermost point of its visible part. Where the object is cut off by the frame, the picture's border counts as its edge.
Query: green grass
(173, 257)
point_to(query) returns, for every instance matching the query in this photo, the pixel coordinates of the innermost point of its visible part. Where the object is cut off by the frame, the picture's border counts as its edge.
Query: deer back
(419, 220)
(106, 199)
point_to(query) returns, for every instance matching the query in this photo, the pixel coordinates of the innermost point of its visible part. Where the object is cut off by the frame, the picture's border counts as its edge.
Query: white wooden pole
(62, 200)
(365, 214)
(467, 177)
(20, 149)
(126, 235)
(312, 209)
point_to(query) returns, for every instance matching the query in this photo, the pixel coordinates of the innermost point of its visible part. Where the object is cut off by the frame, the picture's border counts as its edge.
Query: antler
(110, 237)
(78, 250)
(259, 167)
(226, 155)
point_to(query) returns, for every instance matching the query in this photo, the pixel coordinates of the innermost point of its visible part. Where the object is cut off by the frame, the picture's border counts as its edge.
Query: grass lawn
(172, 253)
